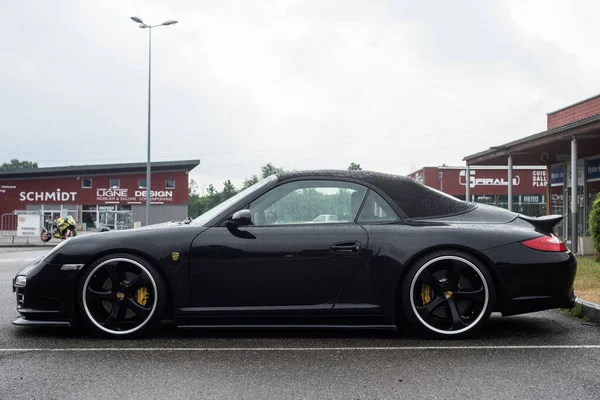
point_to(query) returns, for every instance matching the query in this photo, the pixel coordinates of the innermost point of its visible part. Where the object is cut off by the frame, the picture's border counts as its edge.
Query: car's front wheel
(447, 294)
(121, 295)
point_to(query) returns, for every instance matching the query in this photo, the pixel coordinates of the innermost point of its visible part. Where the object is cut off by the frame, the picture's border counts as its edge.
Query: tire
(45, 236)
(121, 296)
(447, 294)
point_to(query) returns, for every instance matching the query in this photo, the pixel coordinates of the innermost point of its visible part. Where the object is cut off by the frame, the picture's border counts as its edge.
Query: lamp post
(142, 25)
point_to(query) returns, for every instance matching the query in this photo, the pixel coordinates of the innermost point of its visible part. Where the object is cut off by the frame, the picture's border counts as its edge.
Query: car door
(284, 259)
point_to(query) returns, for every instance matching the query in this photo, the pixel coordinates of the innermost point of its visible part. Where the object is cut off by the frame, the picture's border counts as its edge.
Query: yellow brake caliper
(142, 295)
(425, 293)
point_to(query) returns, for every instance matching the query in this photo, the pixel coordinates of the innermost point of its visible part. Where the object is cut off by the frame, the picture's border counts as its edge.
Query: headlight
(21, 281)
(29, 267)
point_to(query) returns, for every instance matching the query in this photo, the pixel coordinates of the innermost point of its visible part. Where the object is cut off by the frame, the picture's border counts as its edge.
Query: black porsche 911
(395, 253)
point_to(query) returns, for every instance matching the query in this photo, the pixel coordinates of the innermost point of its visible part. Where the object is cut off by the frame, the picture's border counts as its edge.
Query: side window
(308, 202)
(376, 209)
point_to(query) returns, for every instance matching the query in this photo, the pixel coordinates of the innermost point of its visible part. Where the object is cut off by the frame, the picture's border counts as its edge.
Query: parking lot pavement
(541, 355)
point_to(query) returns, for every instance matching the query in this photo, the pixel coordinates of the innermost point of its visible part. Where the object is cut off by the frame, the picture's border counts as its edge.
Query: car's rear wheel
(447, 294)
(121, 295)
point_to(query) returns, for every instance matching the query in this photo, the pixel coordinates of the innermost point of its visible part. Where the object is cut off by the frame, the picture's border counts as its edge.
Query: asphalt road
(541, 355)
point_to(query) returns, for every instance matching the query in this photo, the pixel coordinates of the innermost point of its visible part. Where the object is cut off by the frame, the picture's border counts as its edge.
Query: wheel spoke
(113, 274)
(426, 277)
(112, 320)
(475, 295)
(139, 310)
(93, 295)
(457, 322)
(426, 310)
(455, 271)
(138, 282)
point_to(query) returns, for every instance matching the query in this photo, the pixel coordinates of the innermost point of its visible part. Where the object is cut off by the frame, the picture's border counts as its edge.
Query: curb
(588, 309)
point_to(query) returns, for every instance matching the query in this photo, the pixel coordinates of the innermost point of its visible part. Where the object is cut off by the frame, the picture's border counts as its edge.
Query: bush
(594, 224)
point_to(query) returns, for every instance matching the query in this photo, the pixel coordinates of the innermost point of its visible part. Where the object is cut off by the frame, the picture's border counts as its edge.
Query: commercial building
(489, 184)
(571, 142)
(98, 196)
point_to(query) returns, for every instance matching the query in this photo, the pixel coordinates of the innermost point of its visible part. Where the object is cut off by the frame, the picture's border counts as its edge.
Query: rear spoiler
(545, 223)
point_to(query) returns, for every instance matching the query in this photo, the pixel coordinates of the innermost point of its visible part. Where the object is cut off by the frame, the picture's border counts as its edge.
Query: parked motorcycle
(62, 228)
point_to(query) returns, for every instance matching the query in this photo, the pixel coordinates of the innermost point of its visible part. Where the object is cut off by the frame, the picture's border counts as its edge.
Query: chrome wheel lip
(86, 283)
(453, 258)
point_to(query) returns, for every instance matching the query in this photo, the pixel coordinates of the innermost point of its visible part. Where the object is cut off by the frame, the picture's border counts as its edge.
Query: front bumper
(22, 321)
(49, 296)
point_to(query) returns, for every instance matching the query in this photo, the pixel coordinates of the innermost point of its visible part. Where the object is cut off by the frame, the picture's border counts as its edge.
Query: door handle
(346, 247)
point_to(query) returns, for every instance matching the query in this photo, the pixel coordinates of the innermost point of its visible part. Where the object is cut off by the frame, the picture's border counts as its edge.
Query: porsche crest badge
(120, 296)
(175, 256)
(448, 294)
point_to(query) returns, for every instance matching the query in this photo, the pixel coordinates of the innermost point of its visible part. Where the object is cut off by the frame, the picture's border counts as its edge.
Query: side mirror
(241, 218)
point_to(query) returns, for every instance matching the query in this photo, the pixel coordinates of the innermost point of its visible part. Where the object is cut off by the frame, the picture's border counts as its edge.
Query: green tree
(250, 181)
(594, 224)
(211, 191)
(270, 169)
(228, 190)
(354, 167)
(194, 200)
(14, 163)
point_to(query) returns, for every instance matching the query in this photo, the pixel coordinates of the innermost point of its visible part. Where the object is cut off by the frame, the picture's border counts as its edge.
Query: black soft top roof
(414, 198)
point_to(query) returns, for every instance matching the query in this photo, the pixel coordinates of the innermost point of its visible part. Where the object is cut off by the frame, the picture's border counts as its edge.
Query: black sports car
(396, 254)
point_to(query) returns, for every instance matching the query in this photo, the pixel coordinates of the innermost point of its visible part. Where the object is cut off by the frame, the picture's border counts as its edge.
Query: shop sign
(533, 199)
(593, 170)
(138, 195)
(4, 188)
(155, 195)
(479, 181)
(540, 178)
(580, 174)
(113, 195)
(57, 195)
(28, 225)
(557, 175)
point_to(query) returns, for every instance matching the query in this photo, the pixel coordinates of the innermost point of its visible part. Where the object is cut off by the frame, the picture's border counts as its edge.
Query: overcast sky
(393, 85)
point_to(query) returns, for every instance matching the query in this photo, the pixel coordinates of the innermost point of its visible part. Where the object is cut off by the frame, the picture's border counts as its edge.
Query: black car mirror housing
(241, 218)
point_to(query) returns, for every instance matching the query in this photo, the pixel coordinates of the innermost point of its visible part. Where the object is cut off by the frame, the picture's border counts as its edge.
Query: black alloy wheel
(448, 294)
(121, 296)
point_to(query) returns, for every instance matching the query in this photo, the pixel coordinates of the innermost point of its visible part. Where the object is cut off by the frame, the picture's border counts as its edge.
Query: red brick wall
(574, 113)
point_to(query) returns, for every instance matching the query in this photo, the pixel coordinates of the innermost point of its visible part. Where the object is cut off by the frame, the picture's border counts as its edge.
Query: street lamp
(144, 26)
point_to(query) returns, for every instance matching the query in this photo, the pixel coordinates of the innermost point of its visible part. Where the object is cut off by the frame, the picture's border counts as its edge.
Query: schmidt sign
(47, 196)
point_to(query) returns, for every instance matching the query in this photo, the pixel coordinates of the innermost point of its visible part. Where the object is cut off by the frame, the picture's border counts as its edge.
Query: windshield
(213, 212)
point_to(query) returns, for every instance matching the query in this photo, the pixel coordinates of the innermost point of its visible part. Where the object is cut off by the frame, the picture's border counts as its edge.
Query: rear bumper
(530, 280)
(522, 305)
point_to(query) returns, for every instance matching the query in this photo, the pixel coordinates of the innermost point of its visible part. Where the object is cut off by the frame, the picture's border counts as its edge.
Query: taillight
(549, 242)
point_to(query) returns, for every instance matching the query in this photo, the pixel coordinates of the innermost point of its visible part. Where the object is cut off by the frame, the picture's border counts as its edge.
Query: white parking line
(305, 349)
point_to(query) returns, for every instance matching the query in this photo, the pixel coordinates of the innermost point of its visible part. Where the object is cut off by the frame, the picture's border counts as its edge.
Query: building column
(510, 182)
(574, 195)
(548, 189)
(468, 184)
